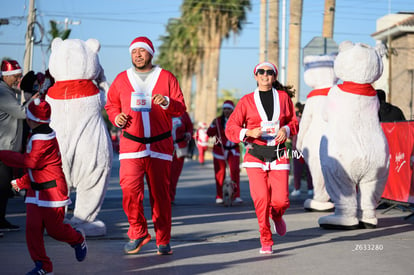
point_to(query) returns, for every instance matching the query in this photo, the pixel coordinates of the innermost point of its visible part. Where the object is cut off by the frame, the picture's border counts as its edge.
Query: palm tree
(217, 19)
(56, 32)
(295, 28)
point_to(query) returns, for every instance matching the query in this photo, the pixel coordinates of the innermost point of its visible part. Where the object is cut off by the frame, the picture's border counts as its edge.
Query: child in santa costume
(264, 119)
(201, 138)
(224, 151)
(182, 132)
(47, 192)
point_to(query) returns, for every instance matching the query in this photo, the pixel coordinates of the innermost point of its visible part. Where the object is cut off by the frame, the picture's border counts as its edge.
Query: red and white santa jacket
(182, 129)
(249, 114)
(217, 129)
(147, 133)
(44, 180)
(201, 137)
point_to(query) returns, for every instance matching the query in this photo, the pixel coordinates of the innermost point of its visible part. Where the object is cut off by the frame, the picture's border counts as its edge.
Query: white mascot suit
(82, 134)
(354, 151)
(319, 74)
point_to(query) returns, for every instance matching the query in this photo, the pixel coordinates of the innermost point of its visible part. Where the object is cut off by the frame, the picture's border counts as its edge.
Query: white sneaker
(295, 193)
(219, 201)
(238, 200)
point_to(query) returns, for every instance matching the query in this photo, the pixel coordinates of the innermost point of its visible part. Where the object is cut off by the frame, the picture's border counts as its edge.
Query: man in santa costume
(182, 133)
(47, 191)
(201, 138)
(264, 119)
(225, 152)
(142, 102)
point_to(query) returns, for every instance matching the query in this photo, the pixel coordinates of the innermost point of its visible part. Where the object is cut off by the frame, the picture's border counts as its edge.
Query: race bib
(140, 102)
(269, 129)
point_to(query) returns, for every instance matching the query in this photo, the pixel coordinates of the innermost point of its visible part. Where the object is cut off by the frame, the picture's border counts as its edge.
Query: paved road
(212, 239)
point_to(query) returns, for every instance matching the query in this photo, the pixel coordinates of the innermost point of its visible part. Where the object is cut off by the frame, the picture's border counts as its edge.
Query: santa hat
(202, 124)
(142, 42)
(266, 63)
(10, 67)
(39, 111)
(228, 104)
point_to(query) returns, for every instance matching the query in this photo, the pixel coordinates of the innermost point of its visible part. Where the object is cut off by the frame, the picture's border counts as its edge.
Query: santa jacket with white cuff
(44, 180)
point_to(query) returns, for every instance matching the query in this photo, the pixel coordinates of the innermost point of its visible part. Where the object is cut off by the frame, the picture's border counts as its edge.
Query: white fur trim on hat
(18, 71)
(265, 63)
(141, 45)
(228, 105)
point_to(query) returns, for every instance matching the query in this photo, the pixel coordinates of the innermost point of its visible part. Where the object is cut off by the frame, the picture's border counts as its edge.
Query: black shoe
(6, 226)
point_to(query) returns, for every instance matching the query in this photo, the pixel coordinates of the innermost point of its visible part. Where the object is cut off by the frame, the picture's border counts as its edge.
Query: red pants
(157, 175)
(40, 218)
(220, 173)
(201, 152)
(176, 168)
(270, 194)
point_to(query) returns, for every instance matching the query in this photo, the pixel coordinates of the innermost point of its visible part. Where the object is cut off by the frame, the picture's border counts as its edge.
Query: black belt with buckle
(267, 153)
(43, 185)
(147, 140)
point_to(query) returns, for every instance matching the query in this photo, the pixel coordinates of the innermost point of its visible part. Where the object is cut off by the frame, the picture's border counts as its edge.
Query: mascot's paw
(92, 229)
(368, 223)
(338, 222)
(318, 206)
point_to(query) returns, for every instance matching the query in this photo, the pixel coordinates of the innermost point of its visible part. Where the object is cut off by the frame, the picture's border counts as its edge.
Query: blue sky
(115, 23)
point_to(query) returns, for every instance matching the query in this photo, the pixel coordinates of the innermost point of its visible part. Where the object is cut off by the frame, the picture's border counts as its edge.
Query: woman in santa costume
(142, 102)
(201, 138)
(47, 191)
(182, 133)
(264, 119)
(224, 151)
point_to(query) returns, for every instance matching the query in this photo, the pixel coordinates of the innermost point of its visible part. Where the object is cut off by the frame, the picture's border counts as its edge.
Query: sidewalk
(212, 239)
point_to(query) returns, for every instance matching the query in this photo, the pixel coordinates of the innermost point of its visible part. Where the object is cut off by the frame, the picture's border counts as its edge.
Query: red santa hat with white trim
(39, 111)
(142, 42)
(10, 67)
(228, 104)
(268, 64)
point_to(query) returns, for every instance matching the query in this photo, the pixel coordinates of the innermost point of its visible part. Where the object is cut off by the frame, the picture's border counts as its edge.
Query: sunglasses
(263, 71)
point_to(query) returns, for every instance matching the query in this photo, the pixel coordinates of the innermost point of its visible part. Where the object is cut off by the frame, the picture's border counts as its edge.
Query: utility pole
(28, 55)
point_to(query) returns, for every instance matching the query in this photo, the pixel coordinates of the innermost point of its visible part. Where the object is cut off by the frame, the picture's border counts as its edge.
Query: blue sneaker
(134, 245)
(164, 249)
(81, 249)
(38, 270)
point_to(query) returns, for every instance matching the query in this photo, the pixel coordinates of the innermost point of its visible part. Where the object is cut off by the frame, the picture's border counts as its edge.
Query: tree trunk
(328, 19)
(295, 26)
(263, 30)
(273, 43)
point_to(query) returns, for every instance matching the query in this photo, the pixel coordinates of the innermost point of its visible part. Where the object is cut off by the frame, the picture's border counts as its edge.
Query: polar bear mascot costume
(82, 134)
(354, 151)
(319, 75)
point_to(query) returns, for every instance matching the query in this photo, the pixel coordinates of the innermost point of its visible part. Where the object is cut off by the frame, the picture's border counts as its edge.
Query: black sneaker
(164, 249)
(6, 226)
(134, 245)
(38, 270)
